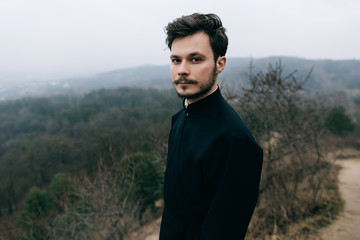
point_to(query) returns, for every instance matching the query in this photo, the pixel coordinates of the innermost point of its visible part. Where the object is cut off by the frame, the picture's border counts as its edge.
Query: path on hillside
(347, 225)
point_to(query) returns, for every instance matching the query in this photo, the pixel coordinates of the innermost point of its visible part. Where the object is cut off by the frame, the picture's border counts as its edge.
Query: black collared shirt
(213, 173)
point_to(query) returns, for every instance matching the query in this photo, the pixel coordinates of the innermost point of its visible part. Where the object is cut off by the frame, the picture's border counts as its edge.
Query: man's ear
(220, 64)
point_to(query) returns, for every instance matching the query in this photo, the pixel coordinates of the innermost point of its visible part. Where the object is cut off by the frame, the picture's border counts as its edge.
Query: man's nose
(183, 69)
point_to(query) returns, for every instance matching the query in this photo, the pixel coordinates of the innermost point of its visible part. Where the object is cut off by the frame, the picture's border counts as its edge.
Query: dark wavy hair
(209, 23)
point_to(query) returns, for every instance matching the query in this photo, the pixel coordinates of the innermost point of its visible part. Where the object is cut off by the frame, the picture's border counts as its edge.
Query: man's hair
(209, 23)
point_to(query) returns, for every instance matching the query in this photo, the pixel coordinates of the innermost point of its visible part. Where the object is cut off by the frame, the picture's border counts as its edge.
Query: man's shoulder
(232, 124)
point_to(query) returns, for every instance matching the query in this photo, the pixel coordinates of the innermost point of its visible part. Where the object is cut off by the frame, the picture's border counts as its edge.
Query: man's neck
(187, 102)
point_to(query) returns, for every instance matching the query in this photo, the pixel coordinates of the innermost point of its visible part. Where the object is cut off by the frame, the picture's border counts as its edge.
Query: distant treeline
(42, 136)
(327, 76)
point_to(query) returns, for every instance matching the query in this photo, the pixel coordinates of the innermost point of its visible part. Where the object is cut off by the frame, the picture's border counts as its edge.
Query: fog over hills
(327, 76)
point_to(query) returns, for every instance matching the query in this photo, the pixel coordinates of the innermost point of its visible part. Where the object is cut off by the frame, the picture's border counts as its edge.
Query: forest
(90, 166)
(43, 136)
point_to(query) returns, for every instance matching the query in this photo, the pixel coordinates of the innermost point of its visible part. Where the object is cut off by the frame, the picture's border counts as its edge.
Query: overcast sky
(63, 38)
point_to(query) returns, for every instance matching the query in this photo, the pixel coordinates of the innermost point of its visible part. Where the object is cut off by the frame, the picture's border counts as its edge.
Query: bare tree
(289, 127)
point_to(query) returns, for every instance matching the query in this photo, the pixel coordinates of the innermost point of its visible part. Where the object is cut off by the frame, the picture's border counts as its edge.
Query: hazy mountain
(327, 76)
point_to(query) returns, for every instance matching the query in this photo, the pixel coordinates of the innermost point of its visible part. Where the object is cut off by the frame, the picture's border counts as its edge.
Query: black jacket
(212, 175)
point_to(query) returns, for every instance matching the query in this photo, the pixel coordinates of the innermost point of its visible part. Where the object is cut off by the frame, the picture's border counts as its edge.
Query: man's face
(193, 70)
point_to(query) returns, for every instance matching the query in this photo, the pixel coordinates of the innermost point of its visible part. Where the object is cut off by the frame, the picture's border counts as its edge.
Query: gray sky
(46, 39)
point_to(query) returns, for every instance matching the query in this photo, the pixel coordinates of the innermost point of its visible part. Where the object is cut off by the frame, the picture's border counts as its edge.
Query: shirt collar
(204, 103)
(186, 103)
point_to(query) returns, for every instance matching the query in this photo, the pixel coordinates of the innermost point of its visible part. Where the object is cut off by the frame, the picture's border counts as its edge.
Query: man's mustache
(184, 80)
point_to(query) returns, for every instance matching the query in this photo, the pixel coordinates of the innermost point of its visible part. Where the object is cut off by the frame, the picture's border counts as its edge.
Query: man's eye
(196, 59)
(175, 60)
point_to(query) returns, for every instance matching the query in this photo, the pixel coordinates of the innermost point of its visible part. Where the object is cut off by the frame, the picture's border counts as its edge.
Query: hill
(79, 134)
(327, 76)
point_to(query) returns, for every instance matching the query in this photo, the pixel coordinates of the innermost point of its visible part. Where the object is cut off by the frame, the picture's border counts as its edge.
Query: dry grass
(307, 226)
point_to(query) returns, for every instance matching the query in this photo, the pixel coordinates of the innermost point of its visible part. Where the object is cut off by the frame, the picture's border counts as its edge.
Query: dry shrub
(297, 163)
(105, 208)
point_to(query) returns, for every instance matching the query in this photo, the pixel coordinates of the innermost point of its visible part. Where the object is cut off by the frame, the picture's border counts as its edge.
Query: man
(214, 163)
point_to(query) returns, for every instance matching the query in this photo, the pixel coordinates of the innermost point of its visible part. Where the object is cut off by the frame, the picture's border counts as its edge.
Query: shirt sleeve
(231, 178)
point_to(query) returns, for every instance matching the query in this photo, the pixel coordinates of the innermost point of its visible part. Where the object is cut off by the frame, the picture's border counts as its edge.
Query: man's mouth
(184, 81)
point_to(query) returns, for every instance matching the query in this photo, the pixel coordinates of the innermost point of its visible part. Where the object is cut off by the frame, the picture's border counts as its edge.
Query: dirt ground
(347, 225)
(147, 232)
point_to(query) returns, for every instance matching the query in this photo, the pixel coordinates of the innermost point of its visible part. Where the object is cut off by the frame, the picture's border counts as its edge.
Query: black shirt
(212, 175)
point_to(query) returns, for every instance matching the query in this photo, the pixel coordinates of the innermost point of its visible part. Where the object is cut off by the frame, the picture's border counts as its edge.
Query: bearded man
(214, 163)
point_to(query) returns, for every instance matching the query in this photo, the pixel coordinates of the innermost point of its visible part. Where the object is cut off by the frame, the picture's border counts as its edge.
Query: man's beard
(204, 89)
